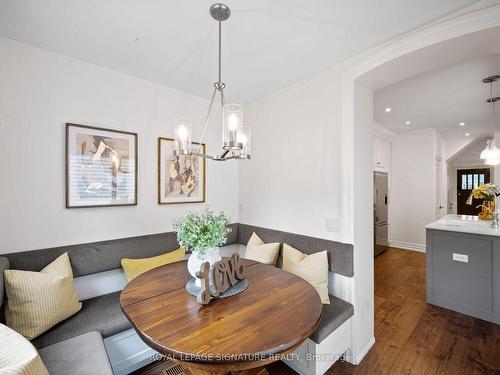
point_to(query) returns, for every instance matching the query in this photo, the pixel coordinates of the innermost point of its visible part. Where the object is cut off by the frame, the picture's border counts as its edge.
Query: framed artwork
(181, 179)
(101, 167)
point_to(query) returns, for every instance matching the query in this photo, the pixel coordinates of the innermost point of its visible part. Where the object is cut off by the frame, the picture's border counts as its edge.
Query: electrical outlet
(332, 224)
(460, 258)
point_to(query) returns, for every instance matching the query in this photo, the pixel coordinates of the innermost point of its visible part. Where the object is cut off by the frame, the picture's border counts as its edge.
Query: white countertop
(464, 224)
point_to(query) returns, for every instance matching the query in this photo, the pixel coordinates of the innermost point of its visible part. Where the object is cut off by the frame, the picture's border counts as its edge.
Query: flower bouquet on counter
(488, 193)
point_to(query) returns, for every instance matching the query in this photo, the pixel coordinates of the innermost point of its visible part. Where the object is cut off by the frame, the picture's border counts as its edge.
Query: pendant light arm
(207, 117)
(222, 98)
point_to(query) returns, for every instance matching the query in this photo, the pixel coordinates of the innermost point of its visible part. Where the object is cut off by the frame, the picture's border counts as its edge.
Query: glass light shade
(492, 161)
(243, 137)
(232, 120)
(182, 136)
(491, 154)
(486, 152)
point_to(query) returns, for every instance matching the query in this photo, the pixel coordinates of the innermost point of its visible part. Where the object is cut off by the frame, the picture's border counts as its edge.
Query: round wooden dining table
(238, 334)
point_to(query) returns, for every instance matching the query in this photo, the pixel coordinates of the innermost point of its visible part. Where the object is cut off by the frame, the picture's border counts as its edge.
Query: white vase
(210, 255)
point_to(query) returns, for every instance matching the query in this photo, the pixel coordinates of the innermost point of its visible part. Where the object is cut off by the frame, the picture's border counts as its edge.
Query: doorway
(467, 180)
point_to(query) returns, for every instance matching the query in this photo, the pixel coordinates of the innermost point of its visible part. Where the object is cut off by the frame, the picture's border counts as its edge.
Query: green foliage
(201, 230)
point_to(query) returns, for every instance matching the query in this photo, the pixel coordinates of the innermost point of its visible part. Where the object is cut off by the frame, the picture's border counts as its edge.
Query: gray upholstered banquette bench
(99, 280)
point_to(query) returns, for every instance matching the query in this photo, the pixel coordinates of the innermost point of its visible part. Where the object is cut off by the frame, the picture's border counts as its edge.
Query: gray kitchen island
(463, 266)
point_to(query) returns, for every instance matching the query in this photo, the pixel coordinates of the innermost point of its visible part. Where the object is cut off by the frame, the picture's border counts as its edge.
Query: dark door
(468, 179)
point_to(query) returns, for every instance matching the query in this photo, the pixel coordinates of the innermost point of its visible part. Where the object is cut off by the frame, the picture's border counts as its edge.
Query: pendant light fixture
(491, 154)
(235, 136)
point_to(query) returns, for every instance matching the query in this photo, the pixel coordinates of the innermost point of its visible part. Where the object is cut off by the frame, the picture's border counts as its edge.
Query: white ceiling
(442, 98)
(268, 44)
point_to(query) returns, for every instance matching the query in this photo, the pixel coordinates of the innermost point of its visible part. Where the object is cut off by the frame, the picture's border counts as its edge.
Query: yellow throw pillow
(259, 251)
(36, 301)
(135, 267)
(18, 356)
(313, 268)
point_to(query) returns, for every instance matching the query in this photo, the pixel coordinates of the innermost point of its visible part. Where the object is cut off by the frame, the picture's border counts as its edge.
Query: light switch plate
(332, 224)
(460, 258)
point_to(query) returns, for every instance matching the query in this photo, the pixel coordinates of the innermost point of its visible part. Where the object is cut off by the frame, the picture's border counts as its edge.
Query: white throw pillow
(259, 251)
(17, 355)
(313, 268)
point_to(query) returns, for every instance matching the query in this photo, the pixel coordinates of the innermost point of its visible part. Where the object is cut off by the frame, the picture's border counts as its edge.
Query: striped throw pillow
(18, 356)
(36, 301)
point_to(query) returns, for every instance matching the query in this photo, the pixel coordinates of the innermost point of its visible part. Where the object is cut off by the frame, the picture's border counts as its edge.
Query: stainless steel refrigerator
(380, 212)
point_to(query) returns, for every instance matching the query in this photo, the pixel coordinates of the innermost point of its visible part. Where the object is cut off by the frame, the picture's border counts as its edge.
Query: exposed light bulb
(232, 122)
(182, 132)
(462, 124)
(408, 122)
(467, 134)
(388, 109)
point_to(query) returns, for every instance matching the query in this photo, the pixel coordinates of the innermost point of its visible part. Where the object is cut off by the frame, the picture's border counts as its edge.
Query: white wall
(292, 182)
(413, 183)
(363, 324)
(39, 92)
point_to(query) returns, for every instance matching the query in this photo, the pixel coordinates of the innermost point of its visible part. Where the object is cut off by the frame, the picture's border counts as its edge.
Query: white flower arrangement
(198, 231)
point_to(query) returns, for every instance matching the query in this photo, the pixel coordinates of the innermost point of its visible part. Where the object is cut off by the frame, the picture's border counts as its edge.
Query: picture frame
(101, 167)
(181, 179)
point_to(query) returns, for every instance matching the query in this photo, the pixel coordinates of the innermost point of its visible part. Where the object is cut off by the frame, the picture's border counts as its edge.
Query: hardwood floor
(413, 337)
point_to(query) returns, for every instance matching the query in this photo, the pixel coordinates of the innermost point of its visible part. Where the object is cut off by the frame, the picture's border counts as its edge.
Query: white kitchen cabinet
(381, 154)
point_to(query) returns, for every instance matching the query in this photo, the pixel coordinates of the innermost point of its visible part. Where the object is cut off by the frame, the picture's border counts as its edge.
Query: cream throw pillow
(259, 251)
(36, 301)
(313, 268)
(18, 356)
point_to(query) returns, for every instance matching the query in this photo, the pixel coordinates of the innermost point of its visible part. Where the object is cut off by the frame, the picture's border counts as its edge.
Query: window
(476, 181)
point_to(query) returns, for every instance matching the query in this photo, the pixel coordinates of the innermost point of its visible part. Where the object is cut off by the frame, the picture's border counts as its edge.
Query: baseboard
(408, 246)
(362, 353)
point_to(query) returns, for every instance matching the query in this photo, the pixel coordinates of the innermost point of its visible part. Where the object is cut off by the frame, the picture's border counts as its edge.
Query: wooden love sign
(225, 273)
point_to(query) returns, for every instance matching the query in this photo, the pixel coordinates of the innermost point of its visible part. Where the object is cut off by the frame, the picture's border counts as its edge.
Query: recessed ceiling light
(388, 109)
(467, 134)
(462, 124)
(408, 122)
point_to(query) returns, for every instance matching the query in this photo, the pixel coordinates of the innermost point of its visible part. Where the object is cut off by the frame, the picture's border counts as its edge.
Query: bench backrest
(340, 255)
(97, 265)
